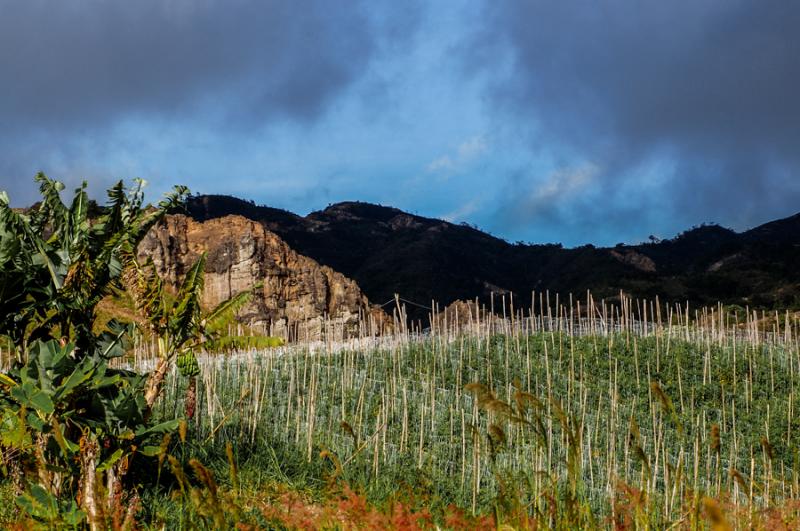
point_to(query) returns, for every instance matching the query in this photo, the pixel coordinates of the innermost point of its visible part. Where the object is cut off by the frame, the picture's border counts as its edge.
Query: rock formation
(637, 260)
(299, 296)
(460, 316)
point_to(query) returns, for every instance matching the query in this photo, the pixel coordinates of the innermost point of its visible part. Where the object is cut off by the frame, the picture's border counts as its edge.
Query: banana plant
(68, 418)
(73, 418)
(180, 324)
(57, 264)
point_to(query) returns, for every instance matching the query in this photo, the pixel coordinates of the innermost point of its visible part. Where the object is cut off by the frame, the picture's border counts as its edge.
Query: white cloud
(462, 212)
(564, 183)
(465, 153)
(442, 163)
(472, 148)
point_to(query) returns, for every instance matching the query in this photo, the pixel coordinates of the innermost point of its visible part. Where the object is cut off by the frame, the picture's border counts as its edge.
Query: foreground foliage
(71, 424)
(75, 424)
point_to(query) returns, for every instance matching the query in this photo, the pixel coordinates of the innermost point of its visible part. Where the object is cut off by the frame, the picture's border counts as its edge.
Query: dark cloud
(637, 117)
(88, 62)
(73, 73)
(701, 94)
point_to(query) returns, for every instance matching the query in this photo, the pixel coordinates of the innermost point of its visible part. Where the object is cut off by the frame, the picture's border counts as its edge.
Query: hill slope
(387, 251)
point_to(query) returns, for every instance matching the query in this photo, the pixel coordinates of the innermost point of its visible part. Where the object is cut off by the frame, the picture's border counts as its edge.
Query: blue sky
(569, 122)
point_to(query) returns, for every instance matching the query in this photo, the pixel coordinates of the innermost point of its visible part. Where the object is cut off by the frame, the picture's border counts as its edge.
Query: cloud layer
(69, 63)
(687, 106)
(75, 73)
(573, 121)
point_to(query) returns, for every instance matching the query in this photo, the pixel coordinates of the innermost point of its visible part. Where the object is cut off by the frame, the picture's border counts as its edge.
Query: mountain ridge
(386, 251)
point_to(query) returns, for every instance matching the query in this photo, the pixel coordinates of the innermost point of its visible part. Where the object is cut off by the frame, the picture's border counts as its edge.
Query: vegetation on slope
(388, 251)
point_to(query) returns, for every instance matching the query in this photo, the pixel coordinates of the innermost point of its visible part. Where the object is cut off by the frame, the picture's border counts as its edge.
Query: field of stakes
(637, 415)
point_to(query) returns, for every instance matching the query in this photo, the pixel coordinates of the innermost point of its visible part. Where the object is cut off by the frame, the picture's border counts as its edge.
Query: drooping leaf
(158, 429)
(110, 460)
(186, 314)
(42, 402)
(226, 309)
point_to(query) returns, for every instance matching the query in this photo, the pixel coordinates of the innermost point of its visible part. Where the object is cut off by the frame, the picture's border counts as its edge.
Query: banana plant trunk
(191, 397)
(154, 382)
(90, 499)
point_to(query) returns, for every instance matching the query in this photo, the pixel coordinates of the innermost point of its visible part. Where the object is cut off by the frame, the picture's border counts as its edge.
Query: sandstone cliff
(299, 296)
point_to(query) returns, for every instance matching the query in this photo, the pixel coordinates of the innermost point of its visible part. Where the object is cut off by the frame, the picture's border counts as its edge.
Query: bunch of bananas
(187, 364)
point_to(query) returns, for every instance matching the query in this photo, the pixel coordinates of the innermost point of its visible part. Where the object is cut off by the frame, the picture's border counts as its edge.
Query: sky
(538, 121)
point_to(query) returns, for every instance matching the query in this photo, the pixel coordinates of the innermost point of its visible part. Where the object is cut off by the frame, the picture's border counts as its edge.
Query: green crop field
(555, 422)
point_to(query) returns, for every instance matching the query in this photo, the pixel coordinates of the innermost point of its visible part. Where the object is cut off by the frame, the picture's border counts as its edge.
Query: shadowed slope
(389, 251)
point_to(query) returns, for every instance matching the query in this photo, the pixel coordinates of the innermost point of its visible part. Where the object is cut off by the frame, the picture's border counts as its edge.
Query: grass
(555, 421)
(573, 412)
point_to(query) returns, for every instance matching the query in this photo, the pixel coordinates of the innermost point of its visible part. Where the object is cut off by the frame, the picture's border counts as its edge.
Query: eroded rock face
(465, 315)
(298, 293)
(637, 260)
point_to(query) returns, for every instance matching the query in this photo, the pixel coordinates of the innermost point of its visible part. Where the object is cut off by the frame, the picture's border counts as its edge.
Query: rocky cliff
(299, 296)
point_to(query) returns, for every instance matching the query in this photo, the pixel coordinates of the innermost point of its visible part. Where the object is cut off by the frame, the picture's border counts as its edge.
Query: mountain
(387, 251)
(297, 294)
